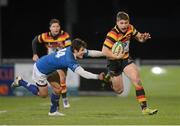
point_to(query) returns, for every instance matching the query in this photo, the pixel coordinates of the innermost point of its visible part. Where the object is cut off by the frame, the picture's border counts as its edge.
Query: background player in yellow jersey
(124, 31)
(54, 40)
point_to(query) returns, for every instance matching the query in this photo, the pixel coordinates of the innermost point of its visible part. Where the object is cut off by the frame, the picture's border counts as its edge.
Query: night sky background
(22, 20)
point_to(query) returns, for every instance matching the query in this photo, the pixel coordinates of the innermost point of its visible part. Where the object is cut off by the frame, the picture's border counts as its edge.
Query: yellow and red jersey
(55, 42)
(116, 35)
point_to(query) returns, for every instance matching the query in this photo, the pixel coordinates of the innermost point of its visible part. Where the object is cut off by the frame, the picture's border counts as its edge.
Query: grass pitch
(163, 92)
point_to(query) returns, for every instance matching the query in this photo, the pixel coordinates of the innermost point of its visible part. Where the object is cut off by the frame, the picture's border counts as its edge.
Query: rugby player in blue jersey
(62, 59)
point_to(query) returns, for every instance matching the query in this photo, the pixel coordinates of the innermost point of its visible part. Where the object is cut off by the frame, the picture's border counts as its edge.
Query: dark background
(23, 19)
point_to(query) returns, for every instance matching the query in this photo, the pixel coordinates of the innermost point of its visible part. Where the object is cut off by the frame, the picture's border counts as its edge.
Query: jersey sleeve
(73, 64)
(93, 53)
(34, 45)
(88, 75)
(41, 37)
(67, 39)
(111, 38)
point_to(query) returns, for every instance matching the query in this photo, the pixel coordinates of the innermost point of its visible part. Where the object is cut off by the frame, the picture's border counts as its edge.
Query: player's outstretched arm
(34, 49)
(88, 75)
(94, 53)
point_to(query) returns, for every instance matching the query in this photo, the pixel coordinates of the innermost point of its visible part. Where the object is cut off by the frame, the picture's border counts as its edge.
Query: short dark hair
(52, 21)
(77, 44)
(121, 15)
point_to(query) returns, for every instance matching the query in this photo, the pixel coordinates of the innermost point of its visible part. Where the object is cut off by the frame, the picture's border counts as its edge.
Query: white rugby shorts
(38, 77)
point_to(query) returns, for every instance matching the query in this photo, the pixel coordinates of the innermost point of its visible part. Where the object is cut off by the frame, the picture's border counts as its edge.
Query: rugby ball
(117, 47)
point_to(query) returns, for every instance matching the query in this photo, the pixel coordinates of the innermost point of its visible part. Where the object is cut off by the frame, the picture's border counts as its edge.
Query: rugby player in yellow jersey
(124, 31)
(54, 40)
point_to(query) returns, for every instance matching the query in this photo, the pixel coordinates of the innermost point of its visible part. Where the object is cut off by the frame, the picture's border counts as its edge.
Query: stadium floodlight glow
(157, 70)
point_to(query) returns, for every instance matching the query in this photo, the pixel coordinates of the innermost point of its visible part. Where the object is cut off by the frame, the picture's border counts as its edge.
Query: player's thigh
(117, 82)
(132, 72)
(54, 77)
(54, 81)
(41, 81)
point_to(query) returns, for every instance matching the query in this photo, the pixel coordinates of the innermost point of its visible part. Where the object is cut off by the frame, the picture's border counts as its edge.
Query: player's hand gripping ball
(117, 47)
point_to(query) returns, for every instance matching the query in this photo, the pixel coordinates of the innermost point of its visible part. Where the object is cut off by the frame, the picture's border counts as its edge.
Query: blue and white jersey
(61, 59)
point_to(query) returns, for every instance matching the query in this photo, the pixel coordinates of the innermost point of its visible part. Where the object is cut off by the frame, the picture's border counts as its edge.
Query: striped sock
(140, 95)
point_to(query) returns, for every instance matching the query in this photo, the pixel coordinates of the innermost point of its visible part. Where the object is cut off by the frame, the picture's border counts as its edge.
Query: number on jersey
(60, 53)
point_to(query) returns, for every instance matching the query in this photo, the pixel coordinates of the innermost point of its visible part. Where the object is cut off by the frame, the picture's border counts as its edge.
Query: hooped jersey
(54, 43)
(116, 35)
(61, 59)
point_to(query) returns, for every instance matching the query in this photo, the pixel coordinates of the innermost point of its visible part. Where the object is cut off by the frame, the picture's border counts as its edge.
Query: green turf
(162, 92)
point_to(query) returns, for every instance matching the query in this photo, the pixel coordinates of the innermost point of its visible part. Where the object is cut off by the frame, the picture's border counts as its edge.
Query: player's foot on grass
(16, 82)
(148, 111)
(66, 103)
(56, 114)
